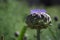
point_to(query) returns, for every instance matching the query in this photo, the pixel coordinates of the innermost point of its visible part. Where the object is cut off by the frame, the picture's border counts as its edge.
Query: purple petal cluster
(37, 11)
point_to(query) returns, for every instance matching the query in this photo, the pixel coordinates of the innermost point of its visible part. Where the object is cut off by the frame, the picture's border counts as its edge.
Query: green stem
(22, 33)
(38, 34)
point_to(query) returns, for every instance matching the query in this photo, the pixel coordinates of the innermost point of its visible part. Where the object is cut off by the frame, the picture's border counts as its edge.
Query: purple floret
(42, 10)
(37, 11)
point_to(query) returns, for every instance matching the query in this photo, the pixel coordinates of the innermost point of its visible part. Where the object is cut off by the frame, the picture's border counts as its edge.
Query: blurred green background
(12, 16)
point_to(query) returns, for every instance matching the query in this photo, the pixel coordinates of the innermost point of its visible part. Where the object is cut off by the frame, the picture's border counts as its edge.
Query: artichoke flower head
(37, 19)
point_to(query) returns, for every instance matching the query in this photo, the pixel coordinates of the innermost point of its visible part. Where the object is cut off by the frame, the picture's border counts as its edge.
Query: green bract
(36, 22)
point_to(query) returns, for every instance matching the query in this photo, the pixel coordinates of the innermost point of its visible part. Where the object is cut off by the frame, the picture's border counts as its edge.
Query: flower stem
(22, 33)
(38, 34)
